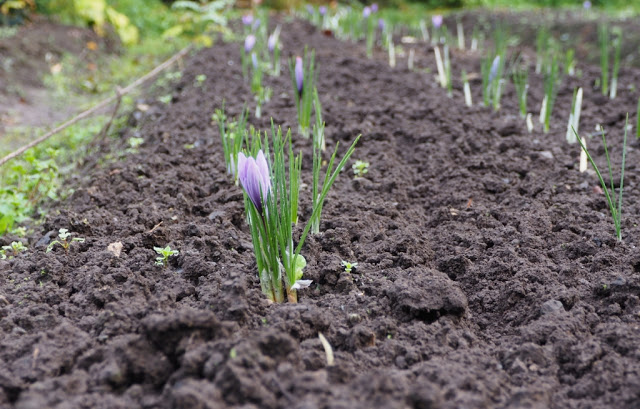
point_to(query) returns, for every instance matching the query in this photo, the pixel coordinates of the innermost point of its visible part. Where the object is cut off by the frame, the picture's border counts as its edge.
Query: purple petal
(299, 72)
(437, 20)
(366, 12)
(247, 19)
(322, 10)
(263, 167)
(249, 42)
(242, 165)
(374, 7)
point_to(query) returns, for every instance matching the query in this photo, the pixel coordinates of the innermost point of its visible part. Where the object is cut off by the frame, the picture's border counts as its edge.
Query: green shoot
(370, 32)
(15, 248)
(610, 193)
(232, 135)
(447, 71)
(603, 40)
(574, 116)
(360, 168)
(617, 46)
(550, 92)
(542, 47)
(303, 80)
(467, 89)
(442, 76)
(460, 29)
(348, 267)
(164, 254)
(64, 241)
(570, 62)
(520, 80)
(638, 120)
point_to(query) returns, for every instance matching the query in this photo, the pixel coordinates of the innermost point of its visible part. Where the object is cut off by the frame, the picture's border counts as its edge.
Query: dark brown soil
(488, 272)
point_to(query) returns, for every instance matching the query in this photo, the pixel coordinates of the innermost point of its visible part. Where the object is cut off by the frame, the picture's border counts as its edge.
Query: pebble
(551, 306)
(546, 154)
(619, 282)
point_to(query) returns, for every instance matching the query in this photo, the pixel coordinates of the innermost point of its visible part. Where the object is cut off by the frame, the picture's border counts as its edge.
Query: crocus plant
(273, 45)
(271, 202)
(303, 81)
(247, 50)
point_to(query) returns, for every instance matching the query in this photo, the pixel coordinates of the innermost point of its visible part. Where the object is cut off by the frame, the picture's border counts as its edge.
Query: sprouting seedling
(520, 81)
(164, 254)
(360, 168)
(348, 266)
(15, 248)
(273, 45)
(303, 80)
(610, 193)
(267, 181)
(200, 79)
(638, 120)
(467, 89)
(550, 93)
(247, 49)
(574, 116)
(437, 23)
(570, 62)
(460, 29)
(232, 135)
(617, 46)
(603, 40)
(64, 240)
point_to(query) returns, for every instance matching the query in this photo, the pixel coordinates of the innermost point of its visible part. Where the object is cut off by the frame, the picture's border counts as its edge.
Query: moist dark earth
(488, 275)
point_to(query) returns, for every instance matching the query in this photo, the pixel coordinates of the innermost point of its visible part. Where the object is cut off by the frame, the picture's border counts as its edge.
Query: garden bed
(488, 271)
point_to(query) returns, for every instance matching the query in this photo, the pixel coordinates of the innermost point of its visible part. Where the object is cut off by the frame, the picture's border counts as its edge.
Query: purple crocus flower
(437, 20)
(299, 72)
(255, 178)
(322, 10)
(366, 12)
(249, 42)
(381, 24)
(272, 41)
(256, 24)
(374, 7)
(310, 9)
(247, 19)
(586, 5)
(494, 69)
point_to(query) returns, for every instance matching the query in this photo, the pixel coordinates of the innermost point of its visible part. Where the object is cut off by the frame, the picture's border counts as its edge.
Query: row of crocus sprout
(552, 63)
(268, 170)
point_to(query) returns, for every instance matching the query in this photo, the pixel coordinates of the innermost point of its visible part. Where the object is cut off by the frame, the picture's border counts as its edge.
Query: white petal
(300, 284)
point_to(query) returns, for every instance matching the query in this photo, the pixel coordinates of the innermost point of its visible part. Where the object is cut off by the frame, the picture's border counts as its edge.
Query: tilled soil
(488, 272)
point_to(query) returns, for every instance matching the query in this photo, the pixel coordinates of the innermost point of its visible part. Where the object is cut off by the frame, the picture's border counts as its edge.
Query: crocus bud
(436, 20)
(249, 42)
(310, 9)
(494, 69)
(586, 5)
(272, 41)
(366, 12)
(254, 60)
(255, 178)
(256, 24)
(299, 75)
(247, 19)
(381, 24)
(374, 8)
(322, 10)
